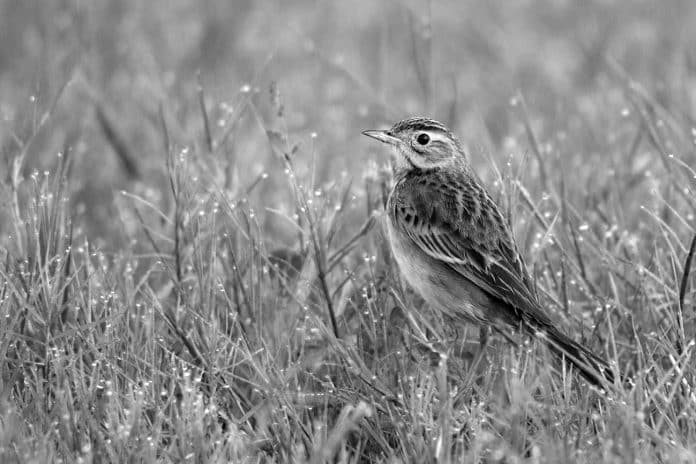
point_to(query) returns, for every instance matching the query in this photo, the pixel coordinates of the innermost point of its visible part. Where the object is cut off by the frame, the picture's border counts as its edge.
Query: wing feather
(476, 244)
(472, 239)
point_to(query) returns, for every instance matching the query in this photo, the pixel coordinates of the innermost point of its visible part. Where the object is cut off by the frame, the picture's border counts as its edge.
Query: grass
(193, 261)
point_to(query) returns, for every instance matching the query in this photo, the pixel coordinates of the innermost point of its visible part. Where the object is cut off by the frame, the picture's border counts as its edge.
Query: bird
(455, 248)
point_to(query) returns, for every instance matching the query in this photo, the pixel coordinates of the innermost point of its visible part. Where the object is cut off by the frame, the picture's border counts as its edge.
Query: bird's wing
(464, 229)
(461, 226)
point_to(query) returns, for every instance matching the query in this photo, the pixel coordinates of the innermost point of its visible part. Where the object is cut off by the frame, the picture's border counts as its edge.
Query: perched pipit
(454, 247)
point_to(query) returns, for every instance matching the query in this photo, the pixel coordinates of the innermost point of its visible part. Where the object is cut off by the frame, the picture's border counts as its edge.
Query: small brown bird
(454, 246)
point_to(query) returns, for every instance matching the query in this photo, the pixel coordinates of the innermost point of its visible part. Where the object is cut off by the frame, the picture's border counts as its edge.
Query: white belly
(442, 289)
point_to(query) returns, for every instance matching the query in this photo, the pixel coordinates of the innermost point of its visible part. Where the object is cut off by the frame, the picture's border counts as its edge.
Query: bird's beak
(382, 136)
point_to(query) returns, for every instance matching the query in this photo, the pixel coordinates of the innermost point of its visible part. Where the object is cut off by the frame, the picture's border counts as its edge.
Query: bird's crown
(418, 123)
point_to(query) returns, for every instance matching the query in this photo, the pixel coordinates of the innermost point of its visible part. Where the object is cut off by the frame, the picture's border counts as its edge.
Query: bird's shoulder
(456, 203)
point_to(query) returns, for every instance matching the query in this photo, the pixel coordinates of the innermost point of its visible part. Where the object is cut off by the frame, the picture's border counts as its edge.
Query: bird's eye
(423, 139)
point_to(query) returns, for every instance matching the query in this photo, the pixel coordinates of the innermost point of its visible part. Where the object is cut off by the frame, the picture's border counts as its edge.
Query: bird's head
(421, 143)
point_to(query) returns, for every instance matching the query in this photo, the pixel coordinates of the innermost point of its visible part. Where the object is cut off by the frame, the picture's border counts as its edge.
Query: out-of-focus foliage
(192, 268)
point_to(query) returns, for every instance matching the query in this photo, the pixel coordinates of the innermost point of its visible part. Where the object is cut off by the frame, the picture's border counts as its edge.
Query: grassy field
(192, 261)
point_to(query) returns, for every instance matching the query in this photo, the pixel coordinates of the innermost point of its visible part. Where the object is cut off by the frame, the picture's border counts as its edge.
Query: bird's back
(455, 248)
(448, 219)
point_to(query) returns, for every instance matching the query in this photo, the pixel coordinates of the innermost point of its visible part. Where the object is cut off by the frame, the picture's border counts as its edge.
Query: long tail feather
(595, 369)
(592, 367)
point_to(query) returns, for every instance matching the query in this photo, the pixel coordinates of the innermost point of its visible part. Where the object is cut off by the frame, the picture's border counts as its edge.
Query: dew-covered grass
(193, 266)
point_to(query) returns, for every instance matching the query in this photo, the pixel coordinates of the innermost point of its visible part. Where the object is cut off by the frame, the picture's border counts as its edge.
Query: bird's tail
(593, 368)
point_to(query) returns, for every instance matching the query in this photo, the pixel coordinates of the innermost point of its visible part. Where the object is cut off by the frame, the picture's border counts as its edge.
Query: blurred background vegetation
(149, 306)
(338, 68)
